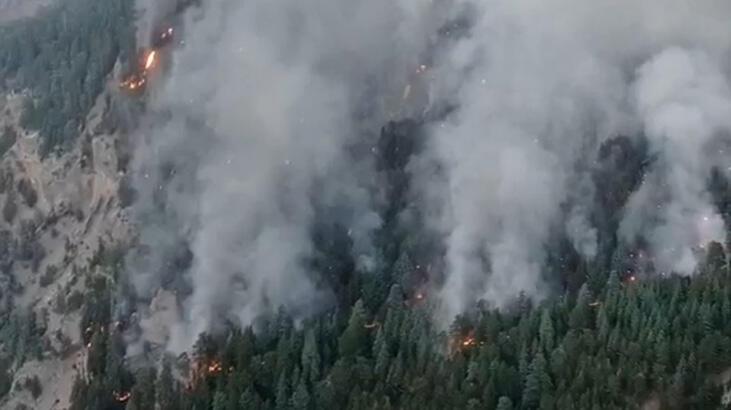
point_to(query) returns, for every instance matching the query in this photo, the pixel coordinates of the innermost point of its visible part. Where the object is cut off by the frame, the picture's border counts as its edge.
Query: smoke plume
(538, 86)
(262, 121)
(251, 134)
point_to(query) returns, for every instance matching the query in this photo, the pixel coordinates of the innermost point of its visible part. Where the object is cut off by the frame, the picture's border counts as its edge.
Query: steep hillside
(57, 215)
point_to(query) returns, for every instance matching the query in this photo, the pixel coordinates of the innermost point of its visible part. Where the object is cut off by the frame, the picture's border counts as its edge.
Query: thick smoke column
(538, 85)
(685, 102)
(252, 129)
(253, 133)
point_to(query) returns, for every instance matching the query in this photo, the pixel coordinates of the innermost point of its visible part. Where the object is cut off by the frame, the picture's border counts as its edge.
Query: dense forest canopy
(607, 340)
(617, 347)
(62, 57)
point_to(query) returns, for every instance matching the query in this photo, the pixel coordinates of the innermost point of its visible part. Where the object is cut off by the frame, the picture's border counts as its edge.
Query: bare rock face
(57, 212)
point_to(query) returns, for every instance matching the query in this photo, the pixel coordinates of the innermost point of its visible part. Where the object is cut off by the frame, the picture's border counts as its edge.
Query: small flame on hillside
(150, 60)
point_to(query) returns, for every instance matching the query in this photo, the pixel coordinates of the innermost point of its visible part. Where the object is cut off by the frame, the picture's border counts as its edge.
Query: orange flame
(469, 341)
(214, 367)
(463, 342)
(150, 61)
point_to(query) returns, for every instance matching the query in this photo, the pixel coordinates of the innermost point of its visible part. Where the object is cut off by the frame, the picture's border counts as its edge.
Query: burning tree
(136, 81)
(463, 341)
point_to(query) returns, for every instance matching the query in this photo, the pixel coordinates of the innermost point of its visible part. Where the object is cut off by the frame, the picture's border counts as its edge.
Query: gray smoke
(685, 101)
(266, 99)
(538, 85)
(151, 13)
(255, 119)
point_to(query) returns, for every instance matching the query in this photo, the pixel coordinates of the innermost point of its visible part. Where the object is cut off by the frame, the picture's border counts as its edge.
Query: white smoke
(266, 98)
(151, 13)
(583, 236)
(685, 102)
(257, 115)
(538, 85)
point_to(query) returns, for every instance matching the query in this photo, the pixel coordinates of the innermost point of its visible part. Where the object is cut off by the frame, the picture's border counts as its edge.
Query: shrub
(10, 209)
(33, 384)
(29, 194)
(74, 301)
(49, 276)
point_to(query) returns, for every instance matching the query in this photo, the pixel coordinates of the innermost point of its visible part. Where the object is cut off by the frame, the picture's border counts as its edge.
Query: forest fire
(469, 341)
(463, 342)
(214, 367)
(203, 368)
(136, 81)
(133, 83)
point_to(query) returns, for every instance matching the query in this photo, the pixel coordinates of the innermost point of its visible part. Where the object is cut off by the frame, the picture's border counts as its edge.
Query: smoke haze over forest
(259, 129)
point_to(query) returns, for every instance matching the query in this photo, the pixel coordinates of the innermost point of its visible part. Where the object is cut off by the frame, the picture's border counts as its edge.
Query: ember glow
(133, 83)
(122, 397)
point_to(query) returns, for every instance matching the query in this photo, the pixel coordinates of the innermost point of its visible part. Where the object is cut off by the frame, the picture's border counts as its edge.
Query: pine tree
(504, 403)
(249, 400)
(301, 397)
(282, 393)
(167, 396)
(581, 314)
(546, 332)
(353, 339)
(310, 359)
(382, 355)
(219, 400)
